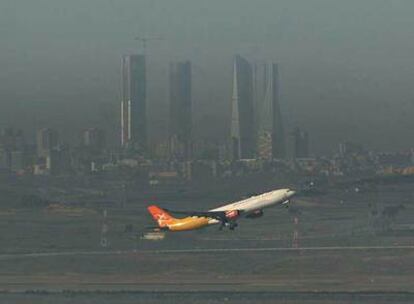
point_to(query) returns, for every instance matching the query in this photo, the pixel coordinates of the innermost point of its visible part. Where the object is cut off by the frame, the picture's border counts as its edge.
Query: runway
(199, 251)
(281, 249)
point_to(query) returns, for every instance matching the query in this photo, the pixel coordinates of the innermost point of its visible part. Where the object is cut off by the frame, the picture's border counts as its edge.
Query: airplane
(226, 215)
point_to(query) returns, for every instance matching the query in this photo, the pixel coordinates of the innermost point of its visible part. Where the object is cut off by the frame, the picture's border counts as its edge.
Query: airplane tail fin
(162, 217)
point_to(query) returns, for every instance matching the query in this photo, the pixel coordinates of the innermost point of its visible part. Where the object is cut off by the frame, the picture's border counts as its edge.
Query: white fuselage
(258, 202)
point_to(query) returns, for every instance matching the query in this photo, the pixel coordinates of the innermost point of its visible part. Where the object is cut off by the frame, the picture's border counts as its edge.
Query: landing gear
(231, 225)
(222, 224)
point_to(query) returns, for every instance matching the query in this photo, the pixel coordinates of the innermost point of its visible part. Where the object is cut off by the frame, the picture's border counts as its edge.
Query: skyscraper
(278, 136)
(180, 110)
(243, 130)
(269, 117)
(133, 103)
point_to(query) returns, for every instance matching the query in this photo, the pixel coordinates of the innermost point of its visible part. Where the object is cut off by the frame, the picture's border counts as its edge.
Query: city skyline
(336, 69)
(134, 84)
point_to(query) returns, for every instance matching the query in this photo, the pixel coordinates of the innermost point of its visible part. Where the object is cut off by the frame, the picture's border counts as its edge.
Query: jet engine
(255, 214)
(232, 214)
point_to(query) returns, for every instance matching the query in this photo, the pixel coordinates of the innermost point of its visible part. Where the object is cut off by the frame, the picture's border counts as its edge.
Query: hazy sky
(347, 67)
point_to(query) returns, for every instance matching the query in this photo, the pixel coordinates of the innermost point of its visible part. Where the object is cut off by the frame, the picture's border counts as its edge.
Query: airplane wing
(222, 216)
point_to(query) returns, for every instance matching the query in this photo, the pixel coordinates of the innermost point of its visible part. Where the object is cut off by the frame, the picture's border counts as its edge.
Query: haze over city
(346, 68)
(206, 151)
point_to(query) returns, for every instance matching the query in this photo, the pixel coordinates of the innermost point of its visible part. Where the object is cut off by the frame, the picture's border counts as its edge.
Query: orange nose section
(162, 217)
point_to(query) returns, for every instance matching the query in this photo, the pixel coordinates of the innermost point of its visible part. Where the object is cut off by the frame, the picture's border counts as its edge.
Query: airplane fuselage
(229, 213)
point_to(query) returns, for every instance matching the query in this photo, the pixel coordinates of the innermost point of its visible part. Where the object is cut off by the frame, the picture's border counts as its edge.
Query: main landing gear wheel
(233, 226)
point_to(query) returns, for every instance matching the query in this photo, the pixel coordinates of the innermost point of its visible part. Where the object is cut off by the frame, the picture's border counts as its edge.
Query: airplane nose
(290, 193)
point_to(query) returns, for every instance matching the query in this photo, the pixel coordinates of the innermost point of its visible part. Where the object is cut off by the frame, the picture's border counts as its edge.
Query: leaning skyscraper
(243, 131)
(133, 103)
